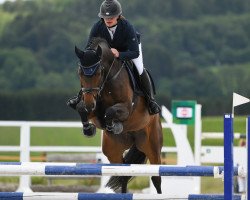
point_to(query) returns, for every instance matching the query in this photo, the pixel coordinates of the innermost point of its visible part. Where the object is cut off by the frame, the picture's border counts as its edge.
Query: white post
(24, 183)
(185, 156)
(197, 135)
(197, 142)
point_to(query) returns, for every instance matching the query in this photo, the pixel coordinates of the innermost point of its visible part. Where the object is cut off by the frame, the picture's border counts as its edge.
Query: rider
(122, 38)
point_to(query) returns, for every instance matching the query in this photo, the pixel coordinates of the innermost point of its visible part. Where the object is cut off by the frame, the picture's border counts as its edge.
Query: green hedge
(36, 105)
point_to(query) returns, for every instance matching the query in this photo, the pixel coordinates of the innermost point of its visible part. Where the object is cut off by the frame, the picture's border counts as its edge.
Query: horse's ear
(99, 51)
(79, 52)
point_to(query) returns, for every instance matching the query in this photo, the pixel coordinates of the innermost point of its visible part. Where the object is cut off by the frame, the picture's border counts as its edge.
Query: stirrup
(153, 108)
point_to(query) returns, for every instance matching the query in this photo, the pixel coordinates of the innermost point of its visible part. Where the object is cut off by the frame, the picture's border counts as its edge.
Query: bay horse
(108, 102)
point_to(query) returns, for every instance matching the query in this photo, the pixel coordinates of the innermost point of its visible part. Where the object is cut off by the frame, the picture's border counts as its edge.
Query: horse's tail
(133, 156)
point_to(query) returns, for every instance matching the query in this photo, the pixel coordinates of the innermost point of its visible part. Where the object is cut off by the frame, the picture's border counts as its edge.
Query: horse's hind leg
(151, 145)
(156, 179)
(113, 147)
(157, 183)
(154, 158)
(124, 187)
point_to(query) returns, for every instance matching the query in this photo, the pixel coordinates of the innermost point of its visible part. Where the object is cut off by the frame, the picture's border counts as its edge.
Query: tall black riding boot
(147, 89)
(73, 101)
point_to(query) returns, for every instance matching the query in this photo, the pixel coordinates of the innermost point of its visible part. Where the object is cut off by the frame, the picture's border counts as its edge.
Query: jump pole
(228, 157)
(78, 169)
(103, 196)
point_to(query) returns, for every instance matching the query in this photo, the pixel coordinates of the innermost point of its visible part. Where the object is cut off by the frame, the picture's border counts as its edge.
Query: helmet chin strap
(112, 26)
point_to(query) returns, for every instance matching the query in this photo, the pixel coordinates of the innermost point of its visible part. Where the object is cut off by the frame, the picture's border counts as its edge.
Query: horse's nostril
(90, 107)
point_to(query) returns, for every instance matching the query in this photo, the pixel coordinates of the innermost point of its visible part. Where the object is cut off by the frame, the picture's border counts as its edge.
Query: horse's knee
(109, 114)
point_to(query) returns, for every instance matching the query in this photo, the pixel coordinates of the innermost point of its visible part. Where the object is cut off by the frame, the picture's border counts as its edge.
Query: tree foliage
(194, 49)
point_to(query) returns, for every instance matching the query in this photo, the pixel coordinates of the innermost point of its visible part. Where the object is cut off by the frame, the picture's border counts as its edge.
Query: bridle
(91, 70)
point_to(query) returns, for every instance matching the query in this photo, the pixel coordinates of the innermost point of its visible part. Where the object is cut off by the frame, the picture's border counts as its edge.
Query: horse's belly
(137, 121)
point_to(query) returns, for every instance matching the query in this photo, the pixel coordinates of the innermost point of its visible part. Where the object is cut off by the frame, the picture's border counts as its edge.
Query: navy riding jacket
(124, 40)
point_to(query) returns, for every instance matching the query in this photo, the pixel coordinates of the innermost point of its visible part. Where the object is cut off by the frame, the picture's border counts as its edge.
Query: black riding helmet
(110, 8)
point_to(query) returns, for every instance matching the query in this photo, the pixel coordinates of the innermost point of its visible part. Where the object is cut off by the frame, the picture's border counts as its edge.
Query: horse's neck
(111, 63)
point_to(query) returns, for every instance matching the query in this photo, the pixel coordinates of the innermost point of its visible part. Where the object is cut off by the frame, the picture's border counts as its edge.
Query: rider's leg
(145, 81)
(73, 101)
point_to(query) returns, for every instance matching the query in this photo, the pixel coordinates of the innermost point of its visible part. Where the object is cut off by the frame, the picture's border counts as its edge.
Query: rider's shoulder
(99, 23)
(124, 22)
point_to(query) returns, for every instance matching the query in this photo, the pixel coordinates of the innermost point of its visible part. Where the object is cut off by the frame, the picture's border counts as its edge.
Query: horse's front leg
(89, 129)
(115, 115)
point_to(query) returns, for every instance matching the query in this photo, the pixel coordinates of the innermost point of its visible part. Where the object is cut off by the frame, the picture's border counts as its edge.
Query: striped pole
(228, 157)
(214, 196)
(103, 196)
(78, 169)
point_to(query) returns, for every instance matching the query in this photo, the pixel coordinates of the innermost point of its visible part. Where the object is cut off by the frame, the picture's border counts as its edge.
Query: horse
(108, 102)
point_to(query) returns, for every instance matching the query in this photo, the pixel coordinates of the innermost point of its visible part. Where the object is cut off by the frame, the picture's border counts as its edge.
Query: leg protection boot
(73, 101)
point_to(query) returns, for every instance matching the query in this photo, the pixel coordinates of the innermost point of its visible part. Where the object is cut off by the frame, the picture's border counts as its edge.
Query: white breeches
(139, 61)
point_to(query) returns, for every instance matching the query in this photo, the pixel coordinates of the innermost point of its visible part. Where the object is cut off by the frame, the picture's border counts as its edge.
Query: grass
(73, 137)
(62, 137)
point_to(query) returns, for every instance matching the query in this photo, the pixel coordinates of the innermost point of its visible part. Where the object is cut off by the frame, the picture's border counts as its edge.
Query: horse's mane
(95, 41)
(106, 52)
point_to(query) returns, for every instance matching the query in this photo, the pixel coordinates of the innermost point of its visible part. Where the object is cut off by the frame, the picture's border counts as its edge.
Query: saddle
(134, 78)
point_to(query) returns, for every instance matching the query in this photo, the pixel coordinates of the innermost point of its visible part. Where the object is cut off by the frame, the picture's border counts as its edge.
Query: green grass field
(73, 137)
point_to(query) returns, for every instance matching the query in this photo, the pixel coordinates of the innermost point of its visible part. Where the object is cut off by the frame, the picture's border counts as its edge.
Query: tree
(19, 68)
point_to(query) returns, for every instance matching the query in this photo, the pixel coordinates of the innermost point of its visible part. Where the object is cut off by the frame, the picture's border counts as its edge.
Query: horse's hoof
(116, 128)
(89, 131)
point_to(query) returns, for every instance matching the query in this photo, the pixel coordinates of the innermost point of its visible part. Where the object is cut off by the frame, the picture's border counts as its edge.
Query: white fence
(185, 155)
(25, 147)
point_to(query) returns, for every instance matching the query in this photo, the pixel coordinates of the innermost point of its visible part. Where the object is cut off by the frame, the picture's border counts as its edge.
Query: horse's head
(90, 73)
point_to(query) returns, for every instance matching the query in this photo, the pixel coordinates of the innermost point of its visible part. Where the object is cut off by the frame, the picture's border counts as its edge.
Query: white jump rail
(104, 196)
(25, 147)
(219, 135)
(81, 169)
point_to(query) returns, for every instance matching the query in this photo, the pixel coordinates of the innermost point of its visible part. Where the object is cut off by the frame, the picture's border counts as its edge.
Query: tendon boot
(147, 89)
(116, 128)
(73, 101)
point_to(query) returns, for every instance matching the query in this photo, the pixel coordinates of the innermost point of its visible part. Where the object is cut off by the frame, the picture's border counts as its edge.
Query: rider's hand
(115, 52)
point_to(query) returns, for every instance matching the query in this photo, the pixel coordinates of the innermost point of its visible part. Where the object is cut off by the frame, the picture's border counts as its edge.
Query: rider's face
(111, 21)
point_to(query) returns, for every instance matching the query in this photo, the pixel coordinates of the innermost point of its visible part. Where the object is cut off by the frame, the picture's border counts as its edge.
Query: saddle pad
(134, 78)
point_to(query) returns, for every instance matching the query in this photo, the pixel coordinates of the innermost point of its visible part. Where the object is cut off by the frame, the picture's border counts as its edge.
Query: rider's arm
(132, 43)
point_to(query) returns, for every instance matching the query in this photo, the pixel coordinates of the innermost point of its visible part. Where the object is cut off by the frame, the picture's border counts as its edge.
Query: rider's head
(110, 11)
